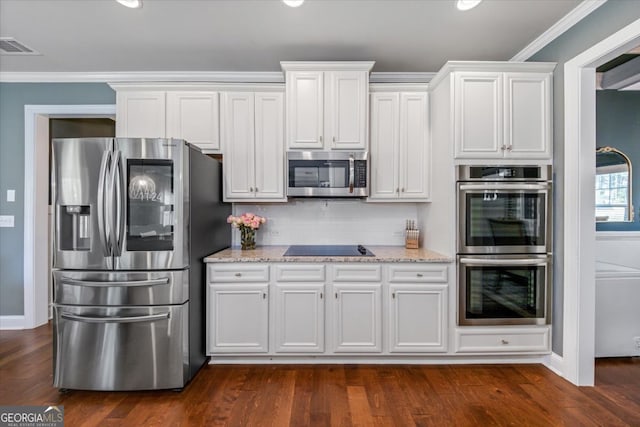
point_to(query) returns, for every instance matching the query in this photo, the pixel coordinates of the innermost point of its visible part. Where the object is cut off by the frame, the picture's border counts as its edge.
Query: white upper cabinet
(141, 114)
(252, 132)
(327, 104)
(527, 118)
(188, 112)
(400, 163)
(193, 116)
(500, 110)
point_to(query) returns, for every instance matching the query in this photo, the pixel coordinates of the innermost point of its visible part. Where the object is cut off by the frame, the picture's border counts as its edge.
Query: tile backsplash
(321, 222)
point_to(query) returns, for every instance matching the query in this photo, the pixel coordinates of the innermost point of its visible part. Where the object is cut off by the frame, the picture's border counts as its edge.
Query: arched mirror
(613, 186)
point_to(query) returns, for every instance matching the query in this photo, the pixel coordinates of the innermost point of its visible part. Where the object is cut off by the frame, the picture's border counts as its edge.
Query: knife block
(412, 239)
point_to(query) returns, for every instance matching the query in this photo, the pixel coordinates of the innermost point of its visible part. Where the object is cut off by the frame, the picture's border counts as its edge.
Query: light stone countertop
(275, 254)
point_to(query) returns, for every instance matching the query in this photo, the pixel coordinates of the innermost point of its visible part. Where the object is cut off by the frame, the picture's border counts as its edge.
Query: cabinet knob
(397, 190)
(238, 274)
(320, 295)
(251, 189)
(334, 139)
(256, 189)
(509, 148)
(336, 295)
(504, 342)
(264, 295)
(393, 295)
(504, 147)
(402, 190)
(418, 274)
(320, 138)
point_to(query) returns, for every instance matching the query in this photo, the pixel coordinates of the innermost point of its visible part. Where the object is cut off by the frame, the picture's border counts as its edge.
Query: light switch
(11, 195)
(6, 221)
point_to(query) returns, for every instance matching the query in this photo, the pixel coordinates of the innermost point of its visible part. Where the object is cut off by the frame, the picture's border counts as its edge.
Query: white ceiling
(255, 35)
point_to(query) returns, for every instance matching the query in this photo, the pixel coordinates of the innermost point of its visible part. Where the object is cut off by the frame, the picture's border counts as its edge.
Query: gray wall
(618, 125)
(13, 98)
(606, 20)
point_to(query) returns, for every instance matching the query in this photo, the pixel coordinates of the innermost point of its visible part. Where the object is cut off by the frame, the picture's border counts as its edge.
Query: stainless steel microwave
(328, 173)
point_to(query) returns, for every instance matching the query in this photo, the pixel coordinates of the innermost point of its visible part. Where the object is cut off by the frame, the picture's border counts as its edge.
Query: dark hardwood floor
(333, 395)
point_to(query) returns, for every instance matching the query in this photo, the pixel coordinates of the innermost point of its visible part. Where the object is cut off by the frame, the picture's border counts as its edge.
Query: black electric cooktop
(328, 250)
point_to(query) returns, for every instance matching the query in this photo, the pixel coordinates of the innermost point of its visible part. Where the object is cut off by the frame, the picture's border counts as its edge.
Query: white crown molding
(327, 65)
(401, 77)
(491, 66)
(556, 30)
(398, 87)
(143, 76)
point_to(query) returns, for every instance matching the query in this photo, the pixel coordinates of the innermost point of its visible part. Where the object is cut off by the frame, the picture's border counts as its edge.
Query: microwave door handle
(351, 173)
(102, 183)
(504, 262)
(508, 187)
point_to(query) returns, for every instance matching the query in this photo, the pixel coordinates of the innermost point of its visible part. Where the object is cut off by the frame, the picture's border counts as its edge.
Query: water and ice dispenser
(74, 225)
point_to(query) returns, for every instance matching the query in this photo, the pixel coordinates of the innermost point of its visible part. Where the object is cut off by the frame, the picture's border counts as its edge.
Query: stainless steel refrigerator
(133, 219)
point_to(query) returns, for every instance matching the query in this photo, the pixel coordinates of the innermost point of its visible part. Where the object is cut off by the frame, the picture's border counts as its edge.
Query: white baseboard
(12, 322)
(555, 363)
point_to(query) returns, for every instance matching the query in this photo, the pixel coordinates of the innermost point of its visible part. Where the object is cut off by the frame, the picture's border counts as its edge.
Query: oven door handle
(508, 187)
(505, 262)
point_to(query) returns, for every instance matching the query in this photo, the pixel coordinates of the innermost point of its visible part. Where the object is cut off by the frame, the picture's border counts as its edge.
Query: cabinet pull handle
(402, 190)
(320, 138)
(509, 147)
(504, 147)
(320, 295)
(418, 274)
(393, 295)
(256, 189)
(238, 274)
(397, 190)
(251, 189)
(334, 139)
(336, 295)
(504, 342)
(264, 295)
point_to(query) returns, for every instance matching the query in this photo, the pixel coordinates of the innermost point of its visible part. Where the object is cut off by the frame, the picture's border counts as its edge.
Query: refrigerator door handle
(113, 207)
(121, 206)
(104, 238)
(130, 319)
(134, 283)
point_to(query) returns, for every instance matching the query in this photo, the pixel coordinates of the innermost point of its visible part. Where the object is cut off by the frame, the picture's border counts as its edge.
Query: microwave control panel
(360, 172)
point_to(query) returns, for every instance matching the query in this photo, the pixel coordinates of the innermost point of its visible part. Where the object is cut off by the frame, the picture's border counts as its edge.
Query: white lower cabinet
(357, 318)
(534, 339)
(299, 318)
(417, 318)
(238, 318)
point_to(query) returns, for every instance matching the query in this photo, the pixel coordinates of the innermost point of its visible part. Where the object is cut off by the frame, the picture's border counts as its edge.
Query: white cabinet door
(346, 109)
(414, 146)
(299, 318)
(238, 137)
(305, 109)
(527, 124)
(385, 151)
(238, 318)
(417, 318)
(269, 146)
(478, 115)
(357, 318)
(140, 114)
(193, 116)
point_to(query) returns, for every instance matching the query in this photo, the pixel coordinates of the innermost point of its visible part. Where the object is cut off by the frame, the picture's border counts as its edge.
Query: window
(612, 191)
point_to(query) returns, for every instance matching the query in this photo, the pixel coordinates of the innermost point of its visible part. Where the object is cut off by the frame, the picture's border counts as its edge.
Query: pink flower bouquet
(248, 223)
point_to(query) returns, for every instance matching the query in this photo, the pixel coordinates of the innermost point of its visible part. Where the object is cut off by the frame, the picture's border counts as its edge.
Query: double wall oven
(504, 245)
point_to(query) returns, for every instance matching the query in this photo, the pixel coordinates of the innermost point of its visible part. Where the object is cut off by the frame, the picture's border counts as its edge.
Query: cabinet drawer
(357, 273)
(300, 273)
(418, 273)
(506, 341)
(237, 273)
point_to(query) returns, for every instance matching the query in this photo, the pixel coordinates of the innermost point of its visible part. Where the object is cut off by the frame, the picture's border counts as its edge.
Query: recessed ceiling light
(467, 4)
(133, 4)
(293, 3)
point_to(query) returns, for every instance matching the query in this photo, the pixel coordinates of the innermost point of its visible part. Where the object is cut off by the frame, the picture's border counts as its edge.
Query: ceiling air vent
(10, 46)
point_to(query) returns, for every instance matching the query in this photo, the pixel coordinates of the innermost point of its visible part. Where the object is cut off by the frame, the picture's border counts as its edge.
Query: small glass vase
(247, 238)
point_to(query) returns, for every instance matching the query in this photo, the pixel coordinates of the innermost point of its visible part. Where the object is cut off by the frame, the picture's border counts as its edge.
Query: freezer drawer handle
(152, 282)
(131, 319)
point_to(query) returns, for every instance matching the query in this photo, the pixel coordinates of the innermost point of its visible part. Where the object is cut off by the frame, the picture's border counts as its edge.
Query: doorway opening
(36, 209)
